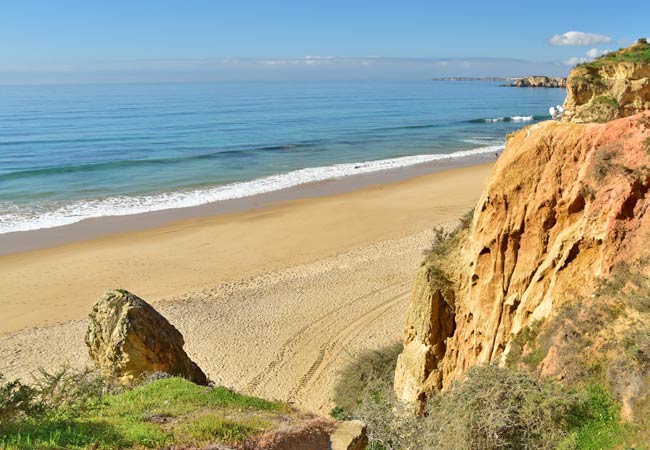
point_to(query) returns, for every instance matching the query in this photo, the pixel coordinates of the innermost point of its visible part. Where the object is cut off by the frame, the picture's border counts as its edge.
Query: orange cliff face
(565, 204)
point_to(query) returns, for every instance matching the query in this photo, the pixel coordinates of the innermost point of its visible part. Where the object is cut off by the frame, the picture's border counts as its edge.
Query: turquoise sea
(68, 153)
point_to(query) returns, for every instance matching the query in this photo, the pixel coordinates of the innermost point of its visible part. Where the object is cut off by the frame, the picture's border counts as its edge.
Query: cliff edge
(550, 272)
(610, 87)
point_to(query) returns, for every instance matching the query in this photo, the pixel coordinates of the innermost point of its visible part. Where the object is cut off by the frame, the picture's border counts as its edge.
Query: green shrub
(340, 413)
(494, 408)
(593, 420)
(525, 348)
(67, 388)
(17, 400)
(439, 257)
(603, 163)
(370, 368)
(609, 101)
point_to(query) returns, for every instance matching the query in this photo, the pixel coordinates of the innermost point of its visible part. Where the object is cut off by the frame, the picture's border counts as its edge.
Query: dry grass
(440, 257)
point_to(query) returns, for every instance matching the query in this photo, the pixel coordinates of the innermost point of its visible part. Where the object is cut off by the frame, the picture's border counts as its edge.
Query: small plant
(363, 371)
(604, 161)
(466, 220)
(644, 121)
(67, 388)
(340, 413)
(605, 100)
(588, 192)
(439, 257)
(524, 347)
(211, 427)
(17, 400)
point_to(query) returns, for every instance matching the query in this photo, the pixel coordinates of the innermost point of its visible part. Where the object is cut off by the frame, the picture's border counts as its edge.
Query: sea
(73, 152)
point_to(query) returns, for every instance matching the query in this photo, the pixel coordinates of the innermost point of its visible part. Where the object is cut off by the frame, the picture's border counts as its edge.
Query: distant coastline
(534, 81)
(473, 78)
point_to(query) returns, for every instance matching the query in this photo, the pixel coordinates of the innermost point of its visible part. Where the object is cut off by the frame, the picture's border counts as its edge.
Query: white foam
(19, 218)
(521, 118)
(511, 119)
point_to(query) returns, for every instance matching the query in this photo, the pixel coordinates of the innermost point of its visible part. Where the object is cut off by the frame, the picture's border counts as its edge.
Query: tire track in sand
(322, 328)
(330, 351)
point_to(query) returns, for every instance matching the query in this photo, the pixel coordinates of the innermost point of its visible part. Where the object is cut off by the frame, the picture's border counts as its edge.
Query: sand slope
(282, 335)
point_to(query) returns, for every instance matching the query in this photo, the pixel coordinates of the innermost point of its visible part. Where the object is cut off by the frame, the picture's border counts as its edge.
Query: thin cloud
(575, 60)
(595, 53)
(590, 56)
(579, 38)
(313, 67)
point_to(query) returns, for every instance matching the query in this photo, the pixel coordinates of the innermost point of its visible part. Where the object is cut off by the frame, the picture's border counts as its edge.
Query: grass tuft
(157, 414)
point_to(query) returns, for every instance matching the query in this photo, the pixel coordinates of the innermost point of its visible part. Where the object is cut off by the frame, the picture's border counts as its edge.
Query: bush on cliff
(493, 408)
(375, 367)
(440, 256)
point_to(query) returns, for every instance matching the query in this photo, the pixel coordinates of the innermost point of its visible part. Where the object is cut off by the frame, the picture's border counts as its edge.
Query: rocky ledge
(540, 81)
(610, 87)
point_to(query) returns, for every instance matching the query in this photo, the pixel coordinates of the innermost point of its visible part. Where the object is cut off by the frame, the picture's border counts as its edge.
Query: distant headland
(531, 81)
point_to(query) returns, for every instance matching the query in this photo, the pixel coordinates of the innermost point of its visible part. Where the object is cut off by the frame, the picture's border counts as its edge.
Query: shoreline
(60, 283)
(92, 228)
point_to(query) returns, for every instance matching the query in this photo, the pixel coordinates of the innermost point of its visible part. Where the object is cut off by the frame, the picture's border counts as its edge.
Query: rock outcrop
(349, 435)
(127, 337)
(613, 86)
(540, 81)
(565, 204)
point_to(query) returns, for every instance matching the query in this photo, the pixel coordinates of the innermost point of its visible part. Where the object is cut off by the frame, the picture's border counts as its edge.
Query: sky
(69, 41)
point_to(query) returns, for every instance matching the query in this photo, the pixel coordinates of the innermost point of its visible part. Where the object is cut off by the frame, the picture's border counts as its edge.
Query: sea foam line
(512, 119)
(23, 218)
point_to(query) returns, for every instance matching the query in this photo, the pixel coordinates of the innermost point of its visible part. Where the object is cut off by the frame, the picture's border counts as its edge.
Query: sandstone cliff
(612, 86)
(540, 81)
(566, 205)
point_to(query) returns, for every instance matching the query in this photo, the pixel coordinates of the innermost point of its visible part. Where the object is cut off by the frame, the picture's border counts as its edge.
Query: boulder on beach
(127, 338)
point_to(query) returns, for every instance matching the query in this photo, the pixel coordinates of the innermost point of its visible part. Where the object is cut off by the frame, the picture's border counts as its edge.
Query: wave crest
(23, 218)
(516, 119)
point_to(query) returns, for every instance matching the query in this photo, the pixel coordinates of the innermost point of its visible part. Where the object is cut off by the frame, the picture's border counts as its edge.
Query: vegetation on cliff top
(68, 410)
(639, 52)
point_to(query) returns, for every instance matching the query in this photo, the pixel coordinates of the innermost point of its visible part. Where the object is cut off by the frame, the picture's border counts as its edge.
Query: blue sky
(201, 40)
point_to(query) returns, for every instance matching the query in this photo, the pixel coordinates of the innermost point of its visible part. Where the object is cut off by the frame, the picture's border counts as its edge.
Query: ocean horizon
(74, 152)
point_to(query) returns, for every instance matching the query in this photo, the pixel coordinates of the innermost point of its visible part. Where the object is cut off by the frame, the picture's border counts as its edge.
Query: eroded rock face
(127, 337)
(610, 87)
(565, 203)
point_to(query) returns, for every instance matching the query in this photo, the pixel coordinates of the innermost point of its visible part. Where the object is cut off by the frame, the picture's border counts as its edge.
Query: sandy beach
(273, 301)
